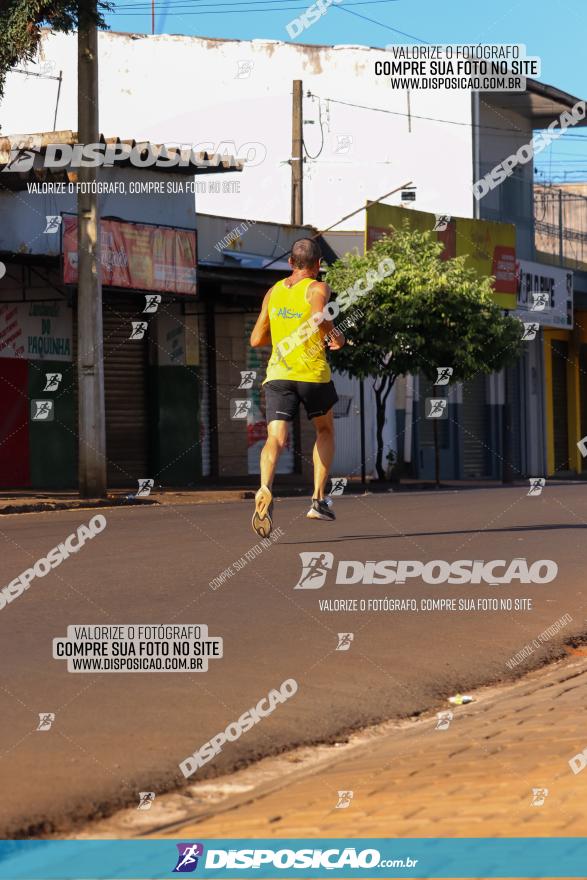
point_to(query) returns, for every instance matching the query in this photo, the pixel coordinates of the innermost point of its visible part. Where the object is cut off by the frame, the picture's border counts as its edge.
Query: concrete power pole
(90, 349)
(297, 157)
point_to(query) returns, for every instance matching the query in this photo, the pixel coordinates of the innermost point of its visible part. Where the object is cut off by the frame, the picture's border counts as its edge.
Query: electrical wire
(380, 23)
(346, 217)
(428, 118)
(321, 133)
(198, 4)
(182, 13)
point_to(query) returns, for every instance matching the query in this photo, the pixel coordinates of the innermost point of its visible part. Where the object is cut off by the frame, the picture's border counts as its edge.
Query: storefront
(233, 277)
(153, 380)
(239, 261)
(154, 337)
(37, 448)
(551, 359)
(231, 296)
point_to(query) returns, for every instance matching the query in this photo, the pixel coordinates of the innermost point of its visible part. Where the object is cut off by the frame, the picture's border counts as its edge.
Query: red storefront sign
(137, 256)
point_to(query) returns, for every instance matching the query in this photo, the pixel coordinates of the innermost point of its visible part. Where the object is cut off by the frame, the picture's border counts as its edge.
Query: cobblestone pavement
(475, 778)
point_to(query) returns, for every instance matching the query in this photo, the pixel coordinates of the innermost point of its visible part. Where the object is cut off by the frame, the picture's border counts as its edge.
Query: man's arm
(261, 334)
(318, 296)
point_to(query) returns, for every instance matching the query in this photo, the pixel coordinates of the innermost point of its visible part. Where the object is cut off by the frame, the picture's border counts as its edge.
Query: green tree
(21, 22)
(428, 313)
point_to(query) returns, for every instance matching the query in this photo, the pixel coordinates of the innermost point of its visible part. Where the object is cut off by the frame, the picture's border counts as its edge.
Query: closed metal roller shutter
(426, 425)
(347, 426)
(515, 402)
(205, 396)
(125, 388)
(474, 426)
(560, 354)
(583, 396)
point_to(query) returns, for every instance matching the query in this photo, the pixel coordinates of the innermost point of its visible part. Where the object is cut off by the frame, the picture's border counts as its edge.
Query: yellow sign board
(490, 247)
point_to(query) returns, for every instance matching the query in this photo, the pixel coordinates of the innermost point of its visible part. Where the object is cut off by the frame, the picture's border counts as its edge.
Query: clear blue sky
(555, 32)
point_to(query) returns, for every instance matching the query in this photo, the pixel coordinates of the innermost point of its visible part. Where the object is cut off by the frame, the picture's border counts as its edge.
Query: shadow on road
(544, 527)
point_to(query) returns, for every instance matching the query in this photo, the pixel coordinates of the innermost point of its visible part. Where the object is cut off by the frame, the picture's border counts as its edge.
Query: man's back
(289, 310)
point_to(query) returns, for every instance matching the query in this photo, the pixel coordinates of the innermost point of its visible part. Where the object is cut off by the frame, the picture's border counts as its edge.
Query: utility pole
(297, 157)
(90, 350)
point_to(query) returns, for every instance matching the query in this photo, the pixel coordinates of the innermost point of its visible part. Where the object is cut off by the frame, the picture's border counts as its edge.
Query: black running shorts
(283, 398)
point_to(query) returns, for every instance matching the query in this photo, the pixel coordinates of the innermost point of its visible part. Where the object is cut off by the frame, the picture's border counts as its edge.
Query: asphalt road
(116, 734)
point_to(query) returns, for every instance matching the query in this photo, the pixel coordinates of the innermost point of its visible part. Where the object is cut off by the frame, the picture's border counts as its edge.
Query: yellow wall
(574, 339)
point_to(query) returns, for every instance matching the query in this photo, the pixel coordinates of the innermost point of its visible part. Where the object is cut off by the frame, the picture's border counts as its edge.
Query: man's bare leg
(323, 452)
(277, 431)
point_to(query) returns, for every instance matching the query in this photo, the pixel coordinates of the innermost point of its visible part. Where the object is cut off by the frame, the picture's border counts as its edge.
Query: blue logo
(288, 313)
(187, 860)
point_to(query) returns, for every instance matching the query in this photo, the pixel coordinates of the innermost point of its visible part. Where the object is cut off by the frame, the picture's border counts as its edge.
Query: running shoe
(262, 521)
(321, 509)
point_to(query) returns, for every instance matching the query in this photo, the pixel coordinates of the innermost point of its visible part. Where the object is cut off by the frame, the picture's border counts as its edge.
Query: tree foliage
(429, 313)
(21, 22)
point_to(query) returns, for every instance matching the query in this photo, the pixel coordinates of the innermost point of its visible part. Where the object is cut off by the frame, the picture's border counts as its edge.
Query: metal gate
(474, 428)
(560, 357)
(125, 389)
(424, 433)
(205, 386)
(347, 427)
(515, 401)
(583, 396)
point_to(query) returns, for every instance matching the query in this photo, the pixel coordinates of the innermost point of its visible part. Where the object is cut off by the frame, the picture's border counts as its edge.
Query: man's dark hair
(305, 253)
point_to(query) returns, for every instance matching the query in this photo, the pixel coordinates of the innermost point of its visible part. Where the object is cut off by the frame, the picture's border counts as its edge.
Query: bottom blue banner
(303, 858)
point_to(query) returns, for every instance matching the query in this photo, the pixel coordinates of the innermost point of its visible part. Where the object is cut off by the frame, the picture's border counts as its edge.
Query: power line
(239, 10)
(426, 118)
(198, 4)
(380, 23)
(342, 219)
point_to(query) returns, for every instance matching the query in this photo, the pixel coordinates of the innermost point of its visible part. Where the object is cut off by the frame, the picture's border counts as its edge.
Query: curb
(218, 495)
(89, 504)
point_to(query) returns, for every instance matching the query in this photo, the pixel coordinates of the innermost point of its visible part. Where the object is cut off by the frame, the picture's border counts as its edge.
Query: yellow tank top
(298, 354)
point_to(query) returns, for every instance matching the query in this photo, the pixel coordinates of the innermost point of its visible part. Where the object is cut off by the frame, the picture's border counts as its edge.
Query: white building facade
(191, 90)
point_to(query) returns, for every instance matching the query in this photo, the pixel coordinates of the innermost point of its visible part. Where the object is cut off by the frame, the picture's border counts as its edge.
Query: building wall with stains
(231, 94)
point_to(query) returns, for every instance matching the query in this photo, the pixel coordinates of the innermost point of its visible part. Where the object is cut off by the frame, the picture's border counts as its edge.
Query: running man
(297, 372)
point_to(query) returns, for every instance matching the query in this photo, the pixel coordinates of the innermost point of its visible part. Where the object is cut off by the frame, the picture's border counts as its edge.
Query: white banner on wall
(37, 331)
(545, 294)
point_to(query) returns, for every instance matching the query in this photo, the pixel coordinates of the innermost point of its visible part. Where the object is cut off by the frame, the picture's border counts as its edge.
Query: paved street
(116, 734)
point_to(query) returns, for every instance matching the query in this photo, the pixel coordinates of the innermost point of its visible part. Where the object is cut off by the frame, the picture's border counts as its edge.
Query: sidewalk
(237, 489)
(408, 779)
(35, 502)
(474, 779)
